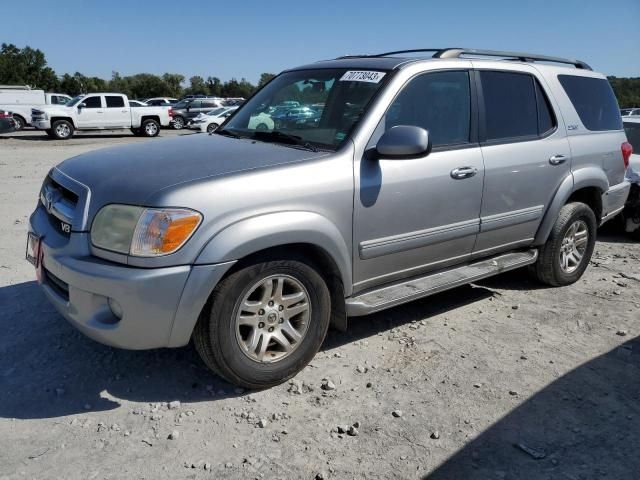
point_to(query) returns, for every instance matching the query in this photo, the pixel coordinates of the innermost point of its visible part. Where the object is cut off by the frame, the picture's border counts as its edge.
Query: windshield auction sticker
(362, 76)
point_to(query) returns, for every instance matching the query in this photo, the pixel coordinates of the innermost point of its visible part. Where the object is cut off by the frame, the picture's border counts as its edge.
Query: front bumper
(159, 306)
(40, 124)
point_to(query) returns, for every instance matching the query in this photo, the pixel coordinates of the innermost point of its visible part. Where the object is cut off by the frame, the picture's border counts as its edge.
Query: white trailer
(20, 99)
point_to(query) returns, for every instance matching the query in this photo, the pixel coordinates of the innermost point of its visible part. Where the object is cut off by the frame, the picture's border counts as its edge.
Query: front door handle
(463, 172)
(557, 159)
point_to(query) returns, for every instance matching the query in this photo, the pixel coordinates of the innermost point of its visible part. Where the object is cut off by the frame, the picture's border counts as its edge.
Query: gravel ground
(500, 380)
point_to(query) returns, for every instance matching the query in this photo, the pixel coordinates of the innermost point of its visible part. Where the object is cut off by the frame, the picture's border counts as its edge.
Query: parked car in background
(627, 112)
(631, 213)
(7, 124)
(20, 99)
(296, 117)
(250, 243)
(161, 101)
(234, 101)
(210, 122)
(137, 103)
(186, 110)
(99, 111)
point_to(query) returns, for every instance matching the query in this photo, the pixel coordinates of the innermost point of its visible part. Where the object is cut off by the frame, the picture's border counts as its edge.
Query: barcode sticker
(362, 76)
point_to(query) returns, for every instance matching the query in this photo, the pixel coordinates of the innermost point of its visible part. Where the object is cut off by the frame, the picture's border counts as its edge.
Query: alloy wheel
(573, 246)
(272, 318)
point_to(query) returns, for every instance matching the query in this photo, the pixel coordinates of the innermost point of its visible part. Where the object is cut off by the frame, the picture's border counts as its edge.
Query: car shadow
(48, 369)
(585, 425)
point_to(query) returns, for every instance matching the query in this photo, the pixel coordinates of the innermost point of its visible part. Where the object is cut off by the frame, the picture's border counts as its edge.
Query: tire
(136, 131)
(150, 128)
(549, 268)
(20, 122)
(219, 340)
(212, 127)
(50, 133)
(62, 129)
(178, 122)
(262, 127)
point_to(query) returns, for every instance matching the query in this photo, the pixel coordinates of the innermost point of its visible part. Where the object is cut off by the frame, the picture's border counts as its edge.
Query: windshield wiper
(281, 137)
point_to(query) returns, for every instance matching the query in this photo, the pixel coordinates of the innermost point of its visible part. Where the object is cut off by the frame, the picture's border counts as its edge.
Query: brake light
(5, 115)
(627, 150)
(170, 112)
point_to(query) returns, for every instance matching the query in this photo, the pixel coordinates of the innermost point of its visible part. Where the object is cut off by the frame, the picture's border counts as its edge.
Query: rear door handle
(557, 159)
(463, 172)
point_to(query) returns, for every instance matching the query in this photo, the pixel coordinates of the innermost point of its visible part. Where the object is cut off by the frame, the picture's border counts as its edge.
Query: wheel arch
(150, 117)
(68, 119)
(586, 185)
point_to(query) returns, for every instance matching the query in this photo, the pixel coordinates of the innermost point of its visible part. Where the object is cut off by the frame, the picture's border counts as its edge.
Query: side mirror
(81, 106)
(404, 141)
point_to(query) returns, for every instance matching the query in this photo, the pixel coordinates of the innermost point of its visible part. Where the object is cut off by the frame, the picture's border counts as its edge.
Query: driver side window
(92, 102)
(439, 102)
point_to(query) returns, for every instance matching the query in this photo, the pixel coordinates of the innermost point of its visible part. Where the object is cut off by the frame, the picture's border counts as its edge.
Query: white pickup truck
(100, 111)
(20, 99)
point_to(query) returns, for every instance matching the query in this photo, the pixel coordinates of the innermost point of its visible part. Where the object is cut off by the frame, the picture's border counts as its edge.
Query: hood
(131, 174)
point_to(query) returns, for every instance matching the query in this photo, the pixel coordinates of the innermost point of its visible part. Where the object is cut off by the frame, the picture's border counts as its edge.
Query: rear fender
(581, 178)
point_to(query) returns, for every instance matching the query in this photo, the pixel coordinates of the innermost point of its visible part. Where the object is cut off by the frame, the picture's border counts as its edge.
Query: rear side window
(114, 102)
(438, 102)
(632, 130)
(594, 101)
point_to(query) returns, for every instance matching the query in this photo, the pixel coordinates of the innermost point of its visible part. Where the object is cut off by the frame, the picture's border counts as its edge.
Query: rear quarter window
(594, 101)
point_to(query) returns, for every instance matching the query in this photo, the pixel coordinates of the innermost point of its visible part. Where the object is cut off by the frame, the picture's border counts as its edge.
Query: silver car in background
(425, 170)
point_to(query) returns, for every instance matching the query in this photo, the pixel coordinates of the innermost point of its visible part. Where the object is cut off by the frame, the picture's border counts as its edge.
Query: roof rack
(458, 52)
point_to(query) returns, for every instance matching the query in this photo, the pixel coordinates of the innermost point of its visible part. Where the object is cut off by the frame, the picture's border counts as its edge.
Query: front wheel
(62, 129)
(565, 256)
(150, 128)
(212, 128)
(264, 323)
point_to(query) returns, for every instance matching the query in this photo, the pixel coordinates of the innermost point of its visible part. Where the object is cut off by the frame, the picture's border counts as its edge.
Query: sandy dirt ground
(501, 380)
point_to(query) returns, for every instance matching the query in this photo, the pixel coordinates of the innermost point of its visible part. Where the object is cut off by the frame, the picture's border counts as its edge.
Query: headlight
(143, 232)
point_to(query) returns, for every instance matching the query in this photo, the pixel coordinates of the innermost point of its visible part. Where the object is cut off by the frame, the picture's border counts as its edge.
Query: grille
(60, 203)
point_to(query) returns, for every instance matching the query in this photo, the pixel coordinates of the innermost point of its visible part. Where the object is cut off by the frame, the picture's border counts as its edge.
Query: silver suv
(420, 174)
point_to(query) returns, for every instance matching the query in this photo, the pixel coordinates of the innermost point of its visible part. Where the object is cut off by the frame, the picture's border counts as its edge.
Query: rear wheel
(150, 128)
(178, 122)
(565, 256)
(20, 122)
(212, 127)
(62, 129)
(264, 323)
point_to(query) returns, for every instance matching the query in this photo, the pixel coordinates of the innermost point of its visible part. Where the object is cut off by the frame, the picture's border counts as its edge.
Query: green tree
(214, 85)
(26, 66)
(265, 78)
(197, 86)
(174, 83)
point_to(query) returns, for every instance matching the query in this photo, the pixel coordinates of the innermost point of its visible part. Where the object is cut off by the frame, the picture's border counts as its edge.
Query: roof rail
(524, 57)
(458, 52)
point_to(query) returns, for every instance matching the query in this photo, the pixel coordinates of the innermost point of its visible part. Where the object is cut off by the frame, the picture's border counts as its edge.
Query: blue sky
(244, 38)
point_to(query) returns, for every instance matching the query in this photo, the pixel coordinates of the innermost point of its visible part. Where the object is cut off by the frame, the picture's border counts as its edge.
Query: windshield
(74, 100)
(317, 108)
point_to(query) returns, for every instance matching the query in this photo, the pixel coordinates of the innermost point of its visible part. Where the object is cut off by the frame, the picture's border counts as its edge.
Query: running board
(399, 293)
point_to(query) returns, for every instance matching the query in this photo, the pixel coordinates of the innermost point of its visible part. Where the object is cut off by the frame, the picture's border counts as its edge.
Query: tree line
(28, 66)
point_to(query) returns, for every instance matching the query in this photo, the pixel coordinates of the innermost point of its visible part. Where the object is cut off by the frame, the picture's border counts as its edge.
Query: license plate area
(33, 249)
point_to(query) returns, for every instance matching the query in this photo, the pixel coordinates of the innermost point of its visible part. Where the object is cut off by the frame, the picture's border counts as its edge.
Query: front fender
(253, 234)
(581, 178)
